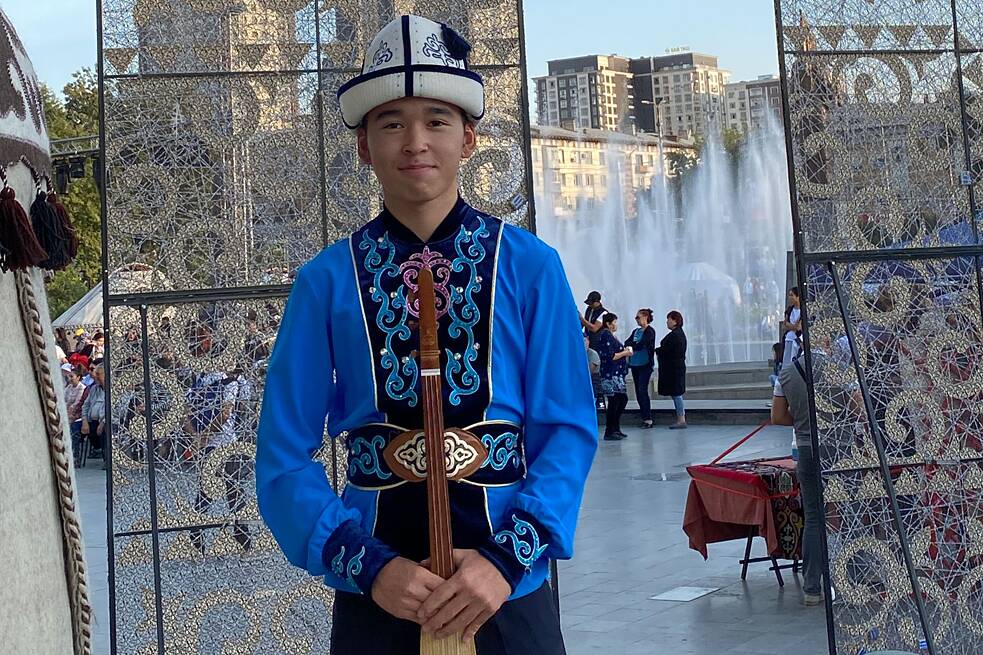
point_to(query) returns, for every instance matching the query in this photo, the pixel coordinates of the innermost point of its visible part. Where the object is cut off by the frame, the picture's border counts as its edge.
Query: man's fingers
(422, 587)
(431, 580)
(438, 598)
(460, 622)
(408, 609)
(459, 555)
(476, 624)
(449, 615)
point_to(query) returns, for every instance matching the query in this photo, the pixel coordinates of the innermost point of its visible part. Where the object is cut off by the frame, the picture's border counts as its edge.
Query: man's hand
(85, 427)
(402, 586)
(470, 597)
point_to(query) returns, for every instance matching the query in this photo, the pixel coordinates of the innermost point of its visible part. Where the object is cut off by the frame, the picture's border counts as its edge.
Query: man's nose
(416, 140)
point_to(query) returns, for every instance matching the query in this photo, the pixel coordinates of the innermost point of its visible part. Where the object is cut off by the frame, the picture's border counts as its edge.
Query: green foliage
(77, 115)
(64, 290)
(680, 162)
(733, 140)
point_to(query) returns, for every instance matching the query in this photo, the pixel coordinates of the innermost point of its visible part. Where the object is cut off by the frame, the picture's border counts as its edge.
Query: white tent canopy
(86, 312)
(705, 277)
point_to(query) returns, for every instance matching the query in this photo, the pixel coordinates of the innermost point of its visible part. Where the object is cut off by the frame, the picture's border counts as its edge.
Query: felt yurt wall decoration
(44, 605)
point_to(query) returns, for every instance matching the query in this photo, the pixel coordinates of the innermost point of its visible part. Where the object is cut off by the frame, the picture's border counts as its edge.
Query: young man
(591, 320)
(790, 406)
(508, 332)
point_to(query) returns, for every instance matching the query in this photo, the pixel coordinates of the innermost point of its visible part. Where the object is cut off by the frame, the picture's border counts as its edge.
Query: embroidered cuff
(356, 556)
(516, 546)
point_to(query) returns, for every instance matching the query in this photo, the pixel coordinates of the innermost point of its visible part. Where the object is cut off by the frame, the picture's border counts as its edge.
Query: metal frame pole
(885, 466)
(152, 477)
(802, 280)
(526, 127)
(104, 242)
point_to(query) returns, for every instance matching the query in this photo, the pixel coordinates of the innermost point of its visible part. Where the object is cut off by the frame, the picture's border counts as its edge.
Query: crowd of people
(81, 358)
(220, 407)
(611, 359)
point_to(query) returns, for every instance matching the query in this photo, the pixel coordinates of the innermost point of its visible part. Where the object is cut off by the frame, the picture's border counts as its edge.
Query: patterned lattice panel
(878, 151)
(212, 181)
(917, 329)
(885, 131)
(865, 25)
(941, 515)
(165, 37)
(222, 574)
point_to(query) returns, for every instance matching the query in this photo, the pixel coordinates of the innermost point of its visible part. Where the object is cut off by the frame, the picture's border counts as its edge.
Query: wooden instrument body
(438, 501)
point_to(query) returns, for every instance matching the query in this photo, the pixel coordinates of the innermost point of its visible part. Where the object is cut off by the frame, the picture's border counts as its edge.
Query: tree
(77, 116)
(733, 140)
(680, 162)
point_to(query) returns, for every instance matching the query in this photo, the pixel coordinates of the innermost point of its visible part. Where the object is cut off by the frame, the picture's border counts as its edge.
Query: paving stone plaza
(630, 547)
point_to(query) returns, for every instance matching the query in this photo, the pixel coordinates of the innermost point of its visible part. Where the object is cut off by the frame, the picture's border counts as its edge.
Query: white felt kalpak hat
(413, 57)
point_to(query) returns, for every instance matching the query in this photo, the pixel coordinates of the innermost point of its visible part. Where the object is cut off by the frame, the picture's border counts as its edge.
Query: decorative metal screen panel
(883, 119)
(227, 166)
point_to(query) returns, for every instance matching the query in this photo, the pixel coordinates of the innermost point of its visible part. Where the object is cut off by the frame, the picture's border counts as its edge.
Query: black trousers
(616, 407)
(642, 375)
(525, 626)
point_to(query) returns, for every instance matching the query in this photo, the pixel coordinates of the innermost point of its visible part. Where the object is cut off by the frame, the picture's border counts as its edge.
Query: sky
(60, 35)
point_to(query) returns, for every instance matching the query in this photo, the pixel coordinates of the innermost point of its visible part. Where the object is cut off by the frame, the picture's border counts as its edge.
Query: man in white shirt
(213, 403)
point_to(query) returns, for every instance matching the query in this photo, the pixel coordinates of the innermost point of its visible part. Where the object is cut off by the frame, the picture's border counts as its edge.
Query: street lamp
(657, 114)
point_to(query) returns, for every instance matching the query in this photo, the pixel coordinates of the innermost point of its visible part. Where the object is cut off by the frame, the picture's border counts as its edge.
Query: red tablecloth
(725, 499)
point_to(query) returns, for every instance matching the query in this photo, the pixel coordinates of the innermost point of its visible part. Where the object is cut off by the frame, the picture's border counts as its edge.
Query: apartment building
(592, 92)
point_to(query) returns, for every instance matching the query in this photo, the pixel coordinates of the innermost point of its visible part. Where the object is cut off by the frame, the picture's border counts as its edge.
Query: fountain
(712, 245)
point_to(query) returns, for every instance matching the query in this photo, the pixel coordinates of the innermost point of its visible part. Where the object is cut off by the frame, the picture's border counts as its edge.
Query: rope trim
(61, 464)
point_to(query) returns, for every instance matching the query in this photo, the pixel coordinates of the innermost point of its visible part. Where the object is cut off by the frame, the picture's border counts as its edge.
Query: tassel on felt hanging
(50, 233)
(66, 221)
(19, 248)
(53, 232)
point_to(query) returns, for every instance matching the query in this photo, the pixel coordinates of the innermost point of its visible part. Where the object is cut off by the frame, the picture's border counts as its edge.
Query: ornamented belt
(382, 455)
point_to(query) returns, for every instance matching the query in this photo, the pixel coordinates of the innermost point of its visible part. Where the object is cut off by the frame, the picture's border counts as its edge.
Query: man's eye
(391, 126)
(437, 123)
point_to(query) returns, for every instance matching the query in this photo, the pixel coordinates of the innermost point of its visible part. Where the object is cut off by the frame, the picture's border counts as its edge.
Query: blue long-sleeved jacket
(513, 365)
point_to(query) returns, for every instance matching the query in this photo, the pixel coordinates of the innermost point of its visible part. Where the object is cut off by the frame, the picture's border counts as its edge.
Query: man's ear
(470, 140)
(362, 139)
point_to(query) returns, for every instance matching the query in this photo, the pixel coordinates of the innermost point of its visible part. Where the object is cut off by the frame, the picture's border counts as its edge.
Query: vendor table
(741, 500)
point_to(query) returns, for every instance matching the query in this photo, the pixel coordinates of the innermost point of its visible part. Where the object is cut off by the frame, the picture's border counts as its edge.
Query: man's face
(415, 146)
(99, 376)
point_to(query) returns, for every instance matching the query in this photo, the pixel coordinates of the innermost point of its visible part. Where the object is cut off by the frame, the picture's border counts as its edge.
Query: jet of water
(712, 245)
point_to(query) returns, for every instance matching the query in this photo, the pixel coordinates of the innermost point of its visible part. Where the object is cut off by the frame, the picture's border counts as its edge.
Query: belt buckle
(464, 454)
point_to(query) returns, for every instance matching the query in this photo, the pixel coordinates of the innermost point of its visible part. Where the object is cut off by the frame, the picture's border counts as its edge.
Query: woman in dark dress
(671, 355)
(641, 362)
(614, 368)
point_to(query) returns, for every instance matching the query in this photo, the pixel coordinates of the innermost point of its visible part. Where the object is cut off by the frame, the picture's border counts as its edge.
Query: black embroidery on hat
(434, 47)
(382, 55)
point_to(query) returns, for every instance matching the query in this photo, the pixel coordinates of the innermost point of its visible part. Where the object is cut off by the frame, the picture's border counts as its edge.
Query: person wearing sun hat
(504, 311)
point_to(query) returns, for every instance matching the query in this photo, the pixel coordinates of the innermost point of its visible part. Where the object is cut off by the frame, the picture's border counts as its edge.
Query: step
(729, 366)
(704, 412)
(757, 391)
(727, 376)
